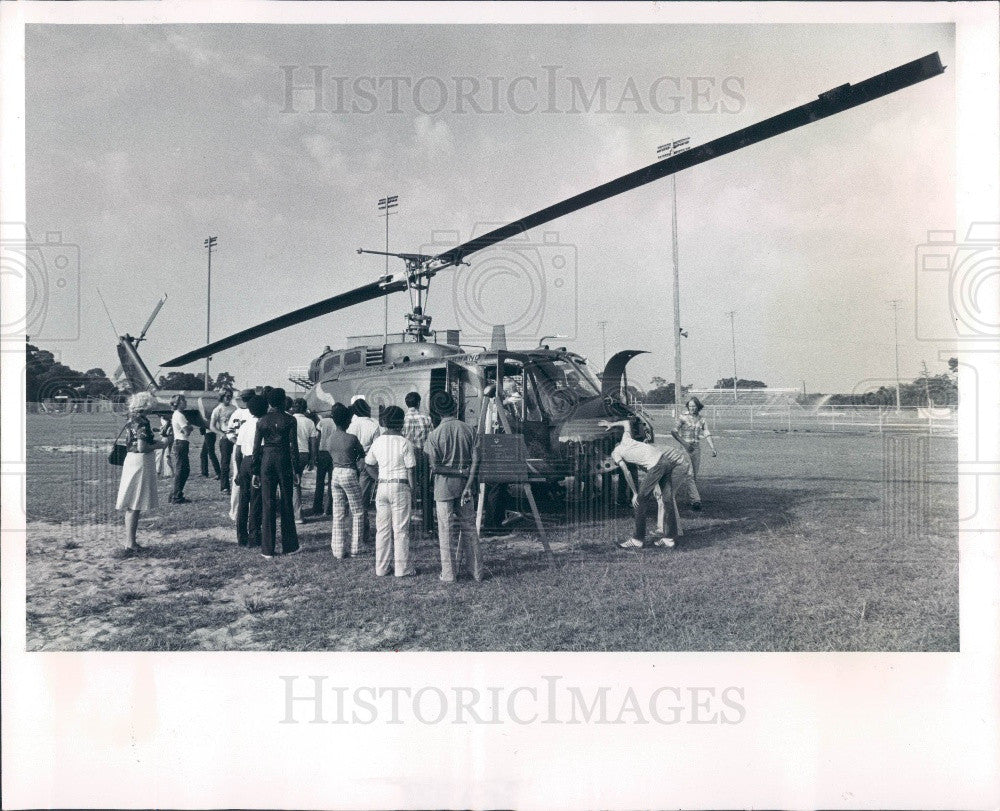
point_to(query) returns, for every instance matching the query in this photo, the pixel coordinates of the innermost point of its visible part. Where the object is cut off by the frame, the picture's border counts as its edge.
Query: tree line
(47, 379)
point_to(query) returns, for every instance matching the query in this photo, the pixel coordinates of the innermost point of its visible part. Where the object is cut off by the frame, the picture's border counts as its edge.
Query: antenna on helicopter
(107, 312)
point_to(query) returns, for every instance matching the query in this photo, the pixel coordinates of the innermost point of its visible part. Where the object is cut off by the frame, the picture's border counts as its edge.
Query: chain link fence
(63, 407)
(825, 419)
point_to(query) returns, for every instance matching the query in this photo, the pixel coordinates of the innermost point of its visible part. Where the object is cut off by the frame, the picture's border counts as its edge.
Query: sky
(144, 140)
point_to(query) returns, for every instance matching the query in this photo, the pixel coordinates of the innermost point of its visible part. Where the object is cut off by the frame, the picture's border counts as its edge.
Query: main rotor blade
(357, 296)
(834, 101)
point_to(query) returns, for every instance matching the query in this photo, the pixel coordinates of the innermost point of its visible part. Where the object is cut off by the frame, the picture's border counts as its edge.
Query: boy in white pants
(392, 454)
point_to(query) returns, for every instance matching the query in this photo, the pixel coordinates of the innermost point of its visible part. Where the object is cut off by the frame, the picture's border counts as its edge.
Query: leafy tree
(658, 382)
(183, 381)
(953, 365)
(187, 381)
(727, 383)
(661, 394)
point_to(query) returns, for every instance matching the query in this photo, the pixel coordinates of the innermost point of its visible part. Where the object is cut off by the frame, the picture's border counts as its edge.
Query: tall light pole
(210, 246)
(386, 205)
(732, 327)
(666, 151)
(895, 304)
(604, 345)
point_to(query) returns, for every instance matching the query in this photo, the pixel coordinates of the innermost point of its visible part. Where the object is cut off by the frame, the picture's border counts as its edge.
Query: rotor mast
(420, 268)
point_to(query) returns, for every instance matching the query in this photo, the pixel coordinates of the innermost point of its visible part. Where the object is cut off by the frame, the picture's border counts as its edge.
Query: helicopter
(551, 395)
(135, 376)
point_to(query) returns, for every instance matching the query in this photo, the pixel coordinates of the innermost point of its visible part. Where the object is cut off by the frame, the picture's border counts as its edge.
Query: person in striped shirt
(691, 428)
(391, 463)
(416, 428)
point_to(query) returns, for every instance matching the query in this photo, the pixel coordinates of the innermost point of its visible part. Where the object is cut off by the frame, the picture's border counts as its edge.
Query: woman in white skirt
(137, 490)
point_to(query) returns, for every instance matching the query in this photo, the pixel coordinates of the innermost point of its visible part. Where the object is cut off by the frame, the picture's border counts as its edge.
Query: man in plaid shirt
(416, 428)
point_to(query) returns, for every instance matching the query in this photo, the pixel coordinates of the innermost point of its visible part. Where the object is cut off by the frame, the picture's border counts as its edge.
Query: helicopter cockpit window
(352, 358)
(331, 364)
(560, 374)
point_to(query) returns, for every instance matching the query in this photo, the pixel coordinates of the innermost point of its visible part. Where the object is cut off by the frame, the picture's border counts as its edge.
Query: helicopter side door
(449, 379)
(517, 391)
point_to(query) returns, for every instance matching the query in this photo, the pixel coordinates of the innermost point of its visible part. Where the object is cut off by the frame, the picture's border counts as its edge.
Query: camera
(527, 285)
(958, 285)
(50, 273)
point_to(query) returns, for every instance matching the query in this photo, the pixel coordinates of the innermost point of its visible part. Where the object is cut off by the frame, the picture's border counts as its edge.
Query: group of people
(266, 441)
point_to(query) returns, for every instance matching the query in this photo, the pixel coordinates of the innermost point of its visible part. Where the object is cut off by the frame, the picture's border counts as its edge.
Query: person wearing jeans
(218, 423)
(325, 429)
(180, 451)
(275, 471)
(454, 460)
(659, 466)
(249, 509)
(691, 428)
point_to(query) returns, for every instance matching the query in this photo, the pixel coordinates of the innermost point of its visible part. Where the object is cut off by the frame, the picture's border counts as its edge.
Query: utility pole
(387, 204)
(895, 304)
(732, 326)
(667, 151)
(210, 246)
(604, 345)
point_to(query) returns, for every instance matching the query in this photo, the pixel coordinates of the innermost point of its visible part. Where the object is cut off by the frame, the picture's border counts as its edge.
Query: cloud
(434, 138)
(326, 153)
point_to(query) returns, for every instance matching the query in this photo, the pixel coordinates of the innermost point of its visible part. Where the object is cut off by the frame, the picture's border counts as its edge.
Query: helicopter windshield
(562, 375)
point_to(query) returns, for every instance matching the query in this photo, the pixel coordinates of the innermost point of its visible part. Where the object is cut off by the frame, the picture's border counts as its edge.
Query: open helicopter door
(613, 377)
(449, 378)
(504, 453)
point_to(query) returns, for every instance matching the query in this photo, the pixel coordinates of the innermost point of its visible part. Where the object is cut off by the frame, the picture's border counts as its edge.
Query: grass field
(806, 543)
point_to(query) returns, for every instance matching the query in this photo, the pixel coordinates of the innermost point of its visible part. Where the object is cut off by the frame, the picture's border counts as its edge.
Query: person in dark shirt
(346, 457)
(275, 471)
(454, 460)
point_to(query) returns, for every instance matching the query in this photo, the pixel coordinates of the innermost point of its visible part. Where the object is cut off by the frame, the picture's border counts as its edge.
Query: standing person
(454, 460)
(249, 508)
(219, 422)
(325, 430)
(346, 457)
(691, 428)
(416, 428)
(306, 436)
(274, 466)
(137, 488)
(236, 419)
(208, 451)
(182, 429)
(164, 463)
(365, 429)
(659, 466)
(392, 454)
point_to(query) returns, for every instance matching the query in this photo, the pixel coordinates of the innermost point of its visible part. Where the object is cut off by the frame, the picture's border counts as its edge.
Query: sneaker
(263, 555)
(295, 551)
(668, 542)
(631, 543)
